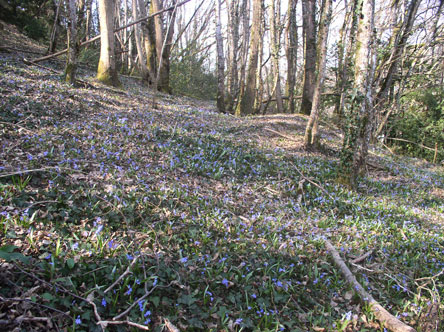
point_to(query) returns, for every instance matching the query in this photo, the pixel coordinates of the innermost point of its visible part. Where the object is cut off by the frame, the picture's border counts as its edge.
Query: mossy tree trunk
(359, 111)
(106, 71)
(75, 19)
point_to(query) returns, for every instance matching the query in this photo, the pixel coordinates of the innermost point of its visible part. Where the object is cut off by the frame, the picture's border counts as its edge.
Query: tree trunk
(220, 61)
(138, 39)
(275, 48)
(71, 61)
(55, 27)
(359, 119)
(245, 106)
(292, 54)
(233, 30)
(245, 10)
(341, 76)
(106, 71)
(311, 138)
(163, 83)
(309, 27)
(148, 62)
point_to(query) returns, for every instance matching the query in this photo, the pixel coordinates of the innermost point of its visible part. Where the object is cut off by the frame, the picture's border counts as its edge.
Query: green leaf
(6, 252)
(155, 300)
(70, 262)
(47, 296)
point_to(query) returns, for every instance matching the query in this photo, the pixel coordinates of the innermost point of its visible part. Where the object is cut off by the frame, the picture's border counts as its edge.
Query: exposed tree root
(386, 318)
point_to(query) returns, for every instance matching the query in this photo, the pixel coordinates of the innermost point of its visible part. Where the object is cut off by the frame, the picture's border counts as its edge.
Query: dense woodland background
(259, 57)
(210, 165)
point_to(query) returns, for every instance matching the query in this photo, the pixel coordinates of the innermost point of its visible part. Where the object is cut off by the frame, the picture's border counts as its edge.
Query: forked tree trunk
(106, 71)
(220, 61)
(309, 26)
(246, 103)
(311, 138)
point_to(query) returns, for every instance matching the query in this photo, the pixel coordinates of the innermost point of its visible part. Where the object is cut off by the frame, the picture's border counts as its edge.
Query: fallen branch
(386, 318)
(361, 258)
(280, 134)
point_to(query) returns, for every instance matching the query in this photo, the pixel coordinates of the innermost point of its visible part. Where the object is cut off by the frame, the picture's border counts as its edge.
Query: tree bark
(357, 131)
(233, 31)
(106, 71)
(245, 10)
(55, 27)
(220, 61)
(311, 138)
(71, 61)
(275, 48)
(138, 38)
(292, 54)
(245, 106)
(309, 27)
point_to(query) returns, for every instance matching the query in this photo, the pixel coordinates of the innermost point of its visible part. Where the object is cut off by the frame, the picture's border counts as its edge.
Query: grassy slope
(208, 204)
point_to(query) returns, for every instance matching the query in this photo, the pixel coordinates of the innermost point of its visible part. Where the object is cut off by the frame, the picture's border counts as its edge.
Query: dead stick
(361, 258)
(386, 318)
(280, 134)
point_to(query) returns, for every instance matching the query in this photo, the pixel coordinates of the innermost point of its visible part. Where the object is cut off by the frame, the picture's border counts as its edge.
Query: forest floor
(180, 217)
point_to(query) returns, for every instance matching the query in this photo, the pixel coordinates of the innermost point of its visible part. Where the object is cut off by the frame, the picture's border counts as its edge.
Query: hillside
(178, 217)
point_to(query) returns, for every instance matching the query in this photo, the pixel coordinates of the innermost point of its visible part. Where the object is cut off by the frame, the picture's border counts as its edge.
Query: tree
(357, 129)
(275, 48)
(106, 71)
(309, 27)
(73, 46)
(233, 38)
(220, 61)
(138, 38)
(311, 131)
(248, 96)
(291, 36)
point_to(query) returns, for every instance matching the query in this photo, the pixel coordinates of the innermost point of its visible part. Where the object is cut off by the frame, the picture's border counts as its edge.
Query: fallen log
(386, 318)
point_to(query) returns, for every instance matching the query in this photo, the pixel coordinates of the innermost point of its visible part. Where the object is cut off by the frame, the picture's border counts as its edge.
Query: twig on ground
(170, 326)
(280, 134)
(127, 271)
(386, 318)
(361, 258)
(312, 182)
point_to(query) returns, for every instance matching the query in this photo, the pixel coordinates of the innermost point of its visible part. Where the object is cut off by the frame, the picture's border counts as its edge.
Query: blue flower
(128, 292)
(225, 282)
(78, 320)
(184, 260)
(129, 257)
(147, 313)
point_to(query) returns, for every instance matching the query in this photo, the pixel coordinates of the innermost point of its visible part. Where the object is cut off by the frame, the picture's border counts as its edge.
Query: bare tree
(291, 36)
(220, 61)
(309, 27)
(275, 48)
(311, 138)
(233, 38)
(247, 98)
